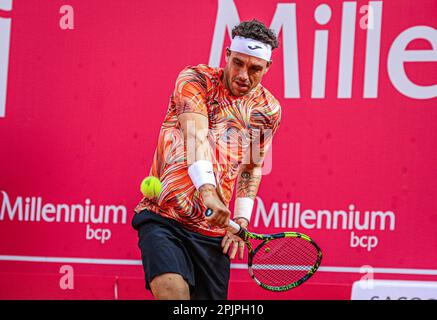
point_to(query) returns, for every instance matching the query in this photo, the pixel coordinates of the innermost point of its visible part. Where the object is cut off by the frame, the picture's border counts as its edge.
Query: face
(242, 72)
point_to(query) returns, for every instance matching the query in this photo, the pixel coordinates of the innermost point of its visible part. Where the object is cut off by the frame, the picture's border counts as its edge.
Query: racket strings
(284, 261)
(281, 274)
(302, 249)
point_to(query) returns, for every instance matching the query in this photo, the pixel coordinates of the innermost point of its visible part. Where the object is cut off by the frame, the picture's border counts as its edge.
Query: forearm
(195, 130)
(248, 181)
(249, 178)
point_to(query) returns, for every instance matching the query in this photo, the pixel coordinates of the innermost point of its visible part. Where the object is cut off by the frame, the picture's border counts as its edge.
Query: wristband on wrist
(243, 208)
(202, 172)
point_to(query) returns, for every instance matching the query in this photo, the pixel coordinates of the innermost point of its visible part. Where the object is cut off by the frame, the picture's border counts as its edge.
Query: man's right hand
(211, 199)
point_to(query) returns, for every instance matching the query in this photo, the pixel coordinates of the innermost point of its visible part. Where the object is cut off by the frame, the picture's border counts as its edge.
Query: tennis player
(219, 125)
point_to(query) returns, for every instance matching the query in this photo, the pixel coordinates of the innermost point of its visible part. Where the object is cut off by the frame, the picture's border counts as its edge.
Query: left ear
(228, 54)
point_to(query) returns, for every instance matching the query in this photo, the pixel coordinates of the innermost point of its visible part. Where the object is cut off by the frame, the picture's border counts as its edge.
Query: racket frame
(266, 238)
(246, 235)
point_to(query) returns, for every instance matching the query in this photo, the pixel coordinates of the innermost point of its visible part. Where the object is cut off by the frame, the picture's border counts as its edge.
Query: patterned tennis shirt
(238, 126)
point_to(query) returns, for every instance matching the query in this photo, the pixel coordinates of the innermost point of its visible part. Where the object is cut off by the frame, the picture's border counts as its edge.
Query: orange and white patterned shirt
(234, 124)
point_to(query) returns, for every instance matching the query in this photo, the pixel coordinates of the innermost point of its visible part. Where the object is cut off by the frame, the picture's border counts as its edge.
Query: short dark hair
(256, 30)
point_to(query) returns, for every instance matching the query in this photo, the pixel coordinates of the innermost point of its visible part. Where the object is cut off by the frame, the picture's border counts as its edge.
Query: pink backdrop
(84, 108)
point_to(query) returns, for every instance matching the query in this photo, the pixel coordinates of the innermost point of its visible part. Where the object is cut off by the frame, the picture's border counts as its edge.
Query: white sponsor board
(394, 290)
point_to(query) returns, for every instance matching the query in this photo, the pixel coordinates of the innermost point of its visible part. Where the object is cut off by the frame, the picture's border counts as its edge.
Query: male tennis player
(218, 127)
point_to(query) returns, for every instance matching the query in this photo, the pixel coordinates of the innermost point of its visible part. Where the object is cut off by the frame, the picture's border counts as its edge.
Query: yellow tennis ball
(151, 187)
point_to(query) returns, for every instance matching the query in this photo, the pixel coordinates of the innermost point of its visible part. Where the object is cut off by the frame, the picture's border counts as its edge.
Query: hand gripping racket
(280, 261)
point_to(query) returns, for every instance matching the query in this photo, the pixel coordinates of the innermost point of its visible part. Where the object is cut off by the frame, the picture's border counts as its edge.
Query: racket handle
(233, 227)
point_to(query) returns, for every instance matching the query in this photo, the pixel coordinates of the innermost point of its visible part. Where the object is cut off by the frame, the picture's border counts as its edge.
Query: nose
(243, 75)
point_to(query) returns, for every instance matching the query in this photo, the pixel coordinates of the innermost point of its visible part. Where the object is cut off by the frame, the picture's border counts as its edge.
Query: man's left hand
(231, 243)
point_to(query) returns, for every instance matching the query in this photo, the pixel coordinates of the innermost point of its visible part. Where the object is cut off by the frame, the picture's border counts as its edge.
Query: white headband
(251, 47)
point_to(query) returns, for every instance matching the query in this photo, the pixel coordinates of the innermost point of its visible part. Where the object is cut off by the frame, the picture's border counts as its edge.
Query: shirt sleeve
(190, 92)
(265, 122)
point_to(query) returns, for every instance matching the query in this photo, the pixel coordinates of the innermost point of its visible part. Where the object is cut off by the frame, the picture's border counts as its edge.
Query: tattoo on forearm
(248, 184)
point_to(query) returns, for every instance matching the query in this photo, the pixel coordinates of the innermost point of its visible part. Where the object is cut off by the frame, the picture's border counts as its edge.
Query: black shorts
(167, 247)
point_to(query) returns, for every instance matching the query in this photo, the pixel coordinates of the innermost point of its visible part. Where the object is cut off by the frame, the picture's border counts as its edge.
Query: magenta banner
(84, 88)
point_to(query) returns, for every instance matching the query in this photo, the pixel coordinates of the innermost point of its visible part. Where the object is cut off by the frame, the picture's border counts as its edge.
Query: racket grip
(233, 227)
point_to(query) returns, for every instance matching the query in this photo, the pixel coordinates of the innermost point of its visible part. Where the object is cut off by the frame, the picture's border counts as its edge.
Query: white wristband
(202, 172)
(243, 208)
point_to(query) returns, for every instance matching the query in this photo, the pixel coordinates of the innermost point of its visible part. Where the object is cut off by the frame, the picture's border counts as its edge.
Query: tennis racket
(280, 261)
